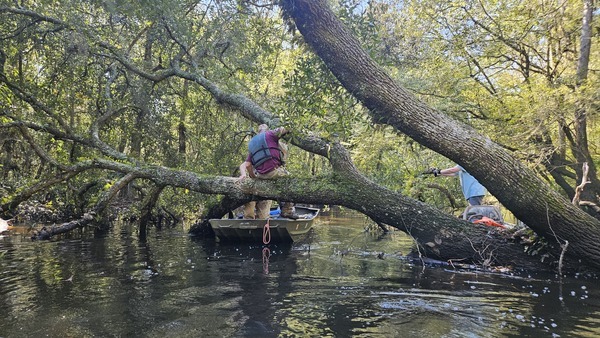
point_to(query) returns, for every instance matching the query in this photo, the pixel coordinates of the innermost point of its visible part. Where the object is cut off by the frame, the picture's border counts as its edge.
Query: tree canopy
(156, 102)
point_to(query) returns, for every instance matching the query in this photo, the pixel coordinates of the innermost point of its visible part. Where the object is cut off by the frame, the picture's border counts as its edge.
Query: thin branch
(33, 102)
(562, 256)
(584, 182)
(156, 77)
(38, 150)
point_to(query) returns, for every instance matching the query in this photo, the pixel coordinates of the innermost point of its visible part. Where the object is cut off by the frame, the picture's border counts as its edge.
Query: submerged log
(47, 232)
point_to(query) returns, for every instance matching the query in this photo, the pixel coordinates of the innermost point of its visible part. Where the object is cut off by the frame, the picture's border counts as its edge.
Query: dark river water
(340, 282)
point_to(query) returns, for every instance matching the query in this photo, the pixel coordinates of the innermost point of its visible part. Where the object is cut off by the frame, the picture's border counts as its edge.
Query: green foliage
(505, 67)
(315, 102)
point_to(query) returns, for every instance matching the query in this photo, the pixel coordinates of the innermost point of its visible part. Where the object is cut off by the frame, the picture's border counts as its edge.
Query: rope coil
(267, 232)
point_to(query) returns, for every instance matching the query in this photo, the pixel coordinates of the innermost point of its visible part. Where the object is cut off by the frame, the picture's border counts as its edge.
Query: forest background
(88, 87)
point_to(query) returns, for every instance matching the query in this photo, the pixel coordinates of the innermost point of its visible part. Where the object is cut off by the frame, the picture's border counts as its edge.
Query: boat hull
(253, 230)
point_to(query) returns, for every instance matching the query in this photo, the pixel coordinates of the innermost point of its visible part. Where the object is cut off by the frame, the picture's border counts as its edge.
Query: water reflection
(342, 281)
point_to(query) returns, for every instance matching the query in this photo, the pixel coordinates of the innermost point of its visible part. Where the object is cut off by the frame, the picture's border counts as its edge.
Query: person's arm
(449, 171)
(246, 170)
(281, 131)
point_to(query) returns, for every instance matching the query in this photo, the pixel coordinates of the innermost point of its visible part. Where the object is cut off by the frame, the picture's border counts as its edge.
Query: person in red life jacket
(266, 160)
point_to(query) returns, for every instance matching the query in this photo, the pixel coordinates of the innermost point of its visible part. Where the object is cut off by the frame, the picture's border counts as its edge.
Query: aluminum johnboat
(274, 229)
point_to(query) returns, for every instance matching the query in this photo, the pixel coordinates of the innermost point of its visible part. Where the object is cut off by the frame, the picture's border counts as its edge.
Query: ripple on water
(339, 285)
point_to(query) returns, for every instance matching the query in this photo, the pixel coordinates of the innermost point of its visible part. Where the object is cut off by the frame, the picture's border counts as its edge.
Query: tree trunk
(516, 187)
(581, 146)
(147, 206)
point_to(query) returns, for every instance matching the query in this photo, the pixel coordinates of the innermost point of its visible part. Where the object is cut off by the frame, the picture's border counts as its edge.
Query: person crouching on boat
(266, 160)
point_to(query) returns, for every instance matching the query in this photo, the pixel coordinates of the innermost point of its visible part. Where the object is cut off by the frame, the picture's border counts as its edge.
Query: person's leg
(263, 208)
(249, 210)
(273, 174)
(287, 208)
(475, 200)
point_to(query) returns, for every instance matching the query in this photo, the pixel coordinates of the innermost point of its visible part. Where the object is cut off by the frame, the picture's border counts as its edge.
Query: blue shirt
(470, 186)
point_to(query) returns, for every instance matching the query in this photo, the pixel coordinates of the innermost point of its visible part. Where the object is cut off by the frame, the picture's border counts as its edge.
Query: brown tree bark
(516, 187)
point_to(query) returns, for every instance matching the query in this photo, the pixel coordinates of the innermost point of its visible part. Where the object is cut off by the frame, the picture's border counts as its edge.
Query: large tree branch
(442, 236)
(548, 213)
(346, 187)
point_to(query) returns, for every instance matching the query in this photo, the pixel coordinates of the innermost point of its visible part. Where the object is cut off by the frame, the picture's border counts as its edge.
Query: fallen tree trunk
(519, 189)
(47, 232)
(436, 234)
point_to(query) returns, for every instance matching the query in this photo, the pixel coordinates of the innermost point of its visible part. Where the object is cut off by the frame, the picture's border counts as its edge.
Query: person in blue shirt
(471, 188)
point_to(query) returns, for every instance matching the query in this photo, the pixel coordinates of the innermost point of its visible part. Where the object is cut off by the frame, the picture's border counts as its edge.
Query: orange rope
(267, 232)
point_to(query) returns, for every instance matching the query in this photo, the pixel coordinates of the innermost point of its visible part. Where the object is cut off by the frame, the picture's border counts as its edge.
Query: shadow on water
(341, 281)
